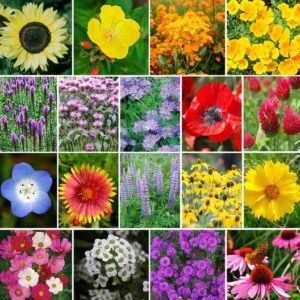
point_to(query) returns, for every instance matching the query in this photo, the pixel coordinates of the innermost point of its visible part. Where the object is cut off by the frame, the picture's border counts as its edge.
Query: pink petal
(253, 291)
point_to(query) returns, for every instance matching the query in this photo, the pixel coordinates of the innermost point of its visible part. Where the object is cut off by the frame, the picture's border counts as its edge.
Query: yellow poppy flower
(249, 11)
(259, 28)
(113, 34)
(276, 32)
(271, 190)
(259, 68)
(288, 67)
(233, 7)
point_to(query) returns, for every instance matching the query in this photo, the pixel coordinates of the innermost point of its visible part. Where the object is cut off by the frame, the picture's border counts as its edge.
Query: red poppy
(237, 140)
(188, 92)
(214, 112)
(64, 279)
(44, 273)
(21, 243)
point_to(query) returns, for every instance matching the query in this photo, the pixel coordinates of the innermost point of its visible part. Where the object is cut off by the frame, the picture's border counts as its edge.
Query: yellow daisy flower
(113, 34)
(35, 36)
(271, 190)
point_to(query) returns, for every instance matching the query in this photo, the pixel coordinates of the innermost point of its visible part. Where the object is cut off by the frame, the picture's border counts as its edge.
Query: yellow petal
(128, 31)
(94, 29)
(114, 49)
(110, 16)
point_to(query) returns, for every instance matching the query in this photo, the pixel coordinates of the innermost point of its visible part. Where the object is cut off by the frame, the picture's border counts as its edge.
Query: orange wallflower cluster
(187, 36)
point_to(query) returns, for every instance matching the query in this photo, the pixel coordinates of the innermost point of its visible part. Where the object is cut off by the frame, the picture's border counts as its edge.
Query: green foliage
(289, 220)
(64, 66)
(253, 101)
(279, 259)
(161, 216)
(136, 62)
(107, 162)
(46, 162)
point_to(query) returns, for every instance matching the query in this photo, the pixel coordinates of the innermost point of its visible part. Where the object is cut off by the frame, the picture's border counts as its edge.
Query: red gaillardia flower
(283, 89)
(254, 84)
(249, 140)
(291, 121)
(268, 116)
(21, 243)
(295, 82)
(87, 193)
(214, 112)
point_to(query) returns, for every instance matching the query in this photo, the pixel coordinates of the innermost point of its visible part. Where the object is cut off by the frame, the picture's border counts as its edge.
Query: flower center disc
(28, 278)
(87, 194)
(288, 234)
(18, 292)
(261, 274)
(2, 20)
(212, 115)
(34, 37)
(41, 293)
(272, 192)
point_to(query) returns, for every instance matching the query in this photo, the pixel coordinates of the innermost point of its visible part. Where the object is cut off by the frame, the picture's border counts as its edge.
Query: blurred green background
(279, 259)
(136, 61)
(42, 162)
(64, 8)
(107, 162)
(289, 220)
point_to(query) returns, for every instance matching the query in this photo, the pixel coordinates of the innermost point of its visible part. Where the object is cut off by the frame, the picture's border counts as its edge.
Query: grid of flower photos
(149, 149)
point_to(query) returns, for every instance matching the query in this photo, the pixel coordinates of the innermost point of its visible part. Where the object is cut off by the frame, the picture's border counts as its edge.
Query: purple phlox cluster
(89, 109)
(158, 180)
(126, 140)
(135, 88)
(28, 98)
(174, 183)
(183, 270)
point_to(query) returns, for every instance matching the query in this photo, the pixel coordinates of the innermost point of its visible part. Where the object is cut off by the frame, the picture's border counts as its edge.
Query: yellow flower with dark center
(35, 36)
(5, 17)
(188, 216)
(112, 33)
(271, 190)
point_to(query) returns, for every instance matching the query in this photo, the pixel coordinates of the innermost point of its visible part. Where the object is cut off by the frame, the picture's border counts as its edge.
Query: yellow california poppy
(35, 36)
(113, 34)
(271, 190)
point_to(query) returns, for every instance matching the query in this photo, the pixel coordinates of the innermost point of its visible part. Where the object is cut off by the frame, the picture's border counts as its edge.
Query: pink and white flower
(61, 246)
(41, 257)
(55, 285)
(20, 262)
(28, 278)
(41, 240)
(56, 264)
(259, 284)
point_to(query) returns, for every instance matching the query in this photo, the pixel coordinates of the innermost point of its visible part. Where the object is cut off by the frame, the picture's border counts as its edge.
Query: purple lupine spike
(32, 92)
(51, 98)
(6, 108)
(45, 89)
(147, 172)
(21, 117)
(14, 140)
(138, 186)
(40, 129)
(174, 183)
(46, 110)
(4, 123)
(158, 179)
(128, 185)
(145, 203)
(11, 93)
(20, 107)
(25, 109)
(123, 194)
(32, 81)
(22, 139)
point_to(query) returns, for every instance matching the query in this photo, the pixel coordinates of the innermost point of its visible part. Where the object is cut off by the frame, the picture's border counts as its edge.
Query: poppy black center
(212, 115)
(34, 37)
(2, 20)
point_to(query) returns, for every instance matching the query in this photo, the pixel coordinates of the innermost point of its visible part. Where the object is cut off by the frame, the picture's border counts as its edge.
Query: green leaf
(125, 4)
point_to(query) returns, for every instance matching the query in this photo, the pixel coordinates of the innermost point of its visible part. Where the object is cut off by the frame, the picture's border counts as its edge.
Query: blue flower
(27, 190)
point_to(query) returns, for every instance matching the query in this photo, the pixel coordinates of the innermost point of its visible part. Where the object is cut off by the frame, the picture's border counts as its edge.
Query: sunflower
(35, 36)
(271, 190)
(87, 193)
(5, 17)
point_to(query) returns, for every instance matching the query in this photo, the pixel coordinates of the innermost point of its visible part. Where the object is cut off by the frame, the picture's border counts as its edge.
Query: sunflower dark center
(288, 234)
(212, 115)
(2, 20)
(34, 37)
(261, 274)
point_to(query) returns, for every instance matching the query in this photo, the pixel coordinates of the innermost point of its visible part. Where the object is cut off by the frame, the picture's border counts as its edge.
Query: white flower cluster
(103, 294)
(113, 258)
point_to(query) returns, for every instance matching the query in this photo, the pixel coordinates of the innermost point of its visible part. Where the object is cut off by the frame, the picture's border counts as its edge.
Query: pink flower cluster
(36, 261)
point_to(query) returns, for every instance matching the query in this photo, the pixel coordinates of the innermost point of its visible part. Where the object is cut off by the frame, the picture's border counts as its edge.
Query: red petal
(223, 136)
